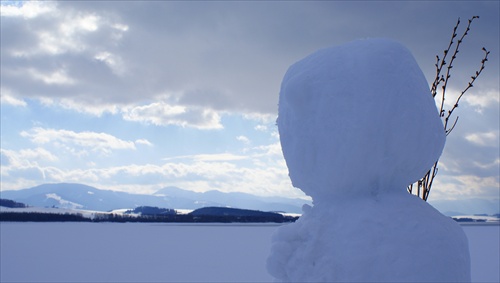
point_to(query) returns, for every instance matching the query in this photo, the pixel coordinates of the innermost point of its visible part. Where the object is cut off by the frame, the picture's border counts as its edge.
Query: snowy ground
(141, 252)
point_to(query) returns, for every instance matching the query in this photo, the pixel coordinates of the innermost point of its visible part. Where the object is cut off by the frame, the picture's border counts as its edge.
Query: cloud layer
(135, 95)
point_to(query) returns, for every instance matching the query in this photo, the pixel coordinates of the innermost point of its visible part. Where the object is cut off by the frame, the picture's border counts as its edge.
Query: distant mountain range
(78, 196)
(467, 206)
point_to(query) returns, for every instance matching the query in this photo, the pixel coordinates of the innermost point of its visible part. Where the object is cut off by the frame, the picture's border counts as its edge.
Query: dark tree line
(149, 214)
(11, 203)
(42, 217)
(152, 210)
(468, 220)
(159, 218)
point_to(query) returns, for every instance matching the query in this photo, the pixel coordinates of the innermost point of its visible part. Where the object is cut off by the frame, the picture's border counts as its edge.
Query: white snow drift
(357, 125)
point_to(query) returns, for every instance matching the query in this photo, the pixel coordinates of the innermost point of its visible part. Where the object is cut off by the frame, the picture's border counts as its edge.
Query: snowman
(358, 124)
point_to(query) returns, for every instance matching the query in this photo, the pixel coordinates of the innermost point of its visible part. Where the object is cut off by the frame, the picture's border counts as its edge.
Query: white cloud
(100, 142)
(38, 154)
(210, 157)
(481, 100)
(87, 107)
(25, 157)
(80, 23)
(62, 30)
(489, 139)
(58, 77)
(23, 167)
(105, 57)
(489, 165)
(275, 135)
(270, 150)
(218, 157)
(143, 142)
(262, 128)
(53, 44)
(29, 9)
(465, 186)
(6, 98)
(207, 175)
(120, 27)
(263, 118)
(157, 113)
(201, 173)
(163, 114)
(261, 171)
(230, 74)
(113, 61)
(243, 139)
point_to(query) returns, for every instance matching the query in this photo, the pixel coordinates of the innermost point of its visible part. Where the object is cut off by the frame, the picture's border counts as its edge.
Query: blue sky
(138, 95)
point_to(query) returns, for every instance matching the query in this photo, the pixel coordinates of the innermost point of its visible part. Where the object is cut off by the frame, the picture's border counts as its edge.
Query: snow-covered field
(484, 246)
(143, 252)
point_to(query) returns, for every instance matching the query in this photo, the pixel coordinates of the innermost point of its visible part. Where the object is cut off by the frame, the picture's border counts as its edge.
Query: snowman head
(358, 120)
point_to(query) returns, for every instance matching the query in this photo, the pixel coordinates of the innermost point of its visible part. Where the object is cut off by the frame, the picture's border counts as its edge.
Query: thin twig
(469, 86)
(424, 185)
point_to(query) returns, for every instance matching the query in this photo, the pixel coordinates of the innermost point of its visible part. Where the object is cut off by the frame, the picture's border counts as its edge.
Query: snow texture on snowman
(358, 124)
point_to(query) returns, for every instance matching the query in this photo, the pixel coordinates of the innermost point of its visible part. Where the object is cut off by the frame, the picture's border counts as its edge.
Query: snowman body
(357, 125)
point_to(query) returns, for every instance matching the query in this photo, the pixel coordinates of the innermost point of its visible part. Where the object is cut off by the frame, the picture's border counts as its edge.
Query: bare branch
(447, 132)
(441, 63)
(424, 185)
(469, 86)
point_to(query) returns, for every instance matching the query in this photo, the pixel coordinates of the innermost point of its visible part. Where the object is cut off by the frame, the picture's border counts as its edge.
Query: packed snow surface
(144, 252)
(133, 252)
(388, 239)
(357, 119)
(358, 124)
